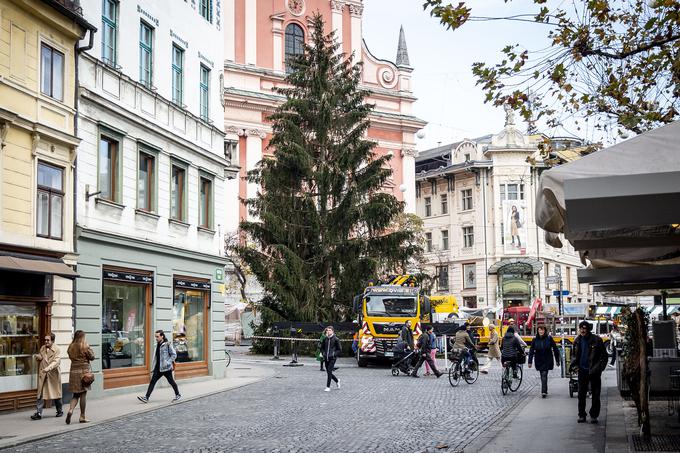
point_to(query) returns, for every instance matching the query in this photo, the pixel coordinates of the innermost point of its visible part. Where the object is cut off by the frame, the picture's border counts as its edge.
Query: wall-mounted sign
(219, 274)
(191, 284)
(127, 277)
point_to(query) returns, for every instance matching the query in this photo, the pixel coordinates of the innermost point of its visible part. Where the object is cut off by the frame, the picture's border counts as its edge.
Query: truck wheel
(361, 361)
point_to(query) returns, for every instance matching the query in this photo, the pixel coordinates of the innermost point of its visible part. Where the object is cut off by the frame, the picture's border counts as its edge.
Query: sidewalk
(550, 424)
(17, 428)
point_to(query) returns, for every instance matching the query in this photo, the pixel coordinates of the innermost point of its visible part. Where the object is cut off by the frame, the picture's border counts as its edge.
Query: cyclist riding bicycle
(511, 348)
(464, 344)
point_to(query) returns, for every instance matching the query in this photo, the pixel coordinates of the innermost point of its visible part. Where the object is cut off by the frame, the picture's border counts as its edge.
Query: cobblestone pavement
(373, 411)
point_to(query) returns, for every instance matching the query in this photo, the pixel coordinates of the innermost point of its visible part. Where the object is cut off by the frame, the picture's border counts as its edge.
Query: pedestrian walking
(494, 349)
(80, 377)
(330, 349)
(163, 366)
(433, 353)
(49, 377)
(424, 353)
(543, 347)
(614, 336)
(589, 359)
(319, 356)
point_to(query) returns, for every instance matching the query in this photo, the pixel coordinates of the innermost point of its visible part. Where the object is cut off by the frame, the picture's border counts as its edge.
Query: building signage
(128, 277)
(392, 290)
(147, 15)
(219, 274)
(176, 37)
(191, 284)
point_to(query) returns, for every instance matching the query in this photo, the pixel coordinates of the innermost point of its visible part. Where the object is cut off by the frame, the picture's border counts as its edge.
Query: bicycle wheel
(454, 374)
(504, 381)
(516, 381)
(227, 358)
(472, 373)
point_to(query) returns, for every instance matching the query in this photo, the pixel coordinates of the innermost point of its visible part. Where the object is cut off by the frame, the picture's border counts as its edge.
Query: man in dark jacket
(424, 353)
(330, 350)
(589, 357)
(406, 336)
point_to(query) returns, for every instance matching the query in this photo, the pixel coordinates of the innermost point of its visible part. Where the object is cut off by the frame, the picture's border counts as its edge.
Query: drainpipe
(486, 253)
(77, 51)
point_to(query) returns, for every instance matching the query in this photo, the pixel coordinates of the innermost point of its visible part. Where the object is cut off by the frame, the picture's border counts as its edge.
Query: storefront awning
(516, 266)
(36, 265)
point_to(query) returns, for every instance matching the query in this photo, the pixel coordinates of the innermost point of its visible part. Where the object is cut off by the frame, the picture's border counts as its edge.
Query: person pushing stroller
(424, 353)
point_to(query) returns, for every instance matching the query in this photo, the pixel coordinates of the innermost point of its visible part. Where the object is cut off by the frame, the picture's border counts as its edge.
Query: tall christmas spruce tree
(323, 223)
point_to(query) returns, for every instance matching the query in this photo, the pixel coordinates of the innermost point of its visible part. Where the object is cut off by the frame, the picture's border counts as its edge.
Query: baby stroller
(573, 384)
(404, 362)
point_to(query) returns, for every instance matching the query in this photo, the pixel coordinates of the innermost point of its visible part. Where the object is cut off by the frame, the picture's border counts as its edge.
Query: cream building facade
(39, 43)
(477, 198)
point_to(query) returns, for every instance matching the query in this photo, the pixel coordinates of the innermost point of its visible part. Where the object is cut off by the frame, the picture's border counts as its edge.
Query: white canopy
(618, 206)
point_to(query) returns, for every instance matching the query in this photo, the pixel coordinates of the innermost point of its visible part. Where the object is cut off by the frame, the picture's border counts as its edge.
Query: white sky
(443, 82)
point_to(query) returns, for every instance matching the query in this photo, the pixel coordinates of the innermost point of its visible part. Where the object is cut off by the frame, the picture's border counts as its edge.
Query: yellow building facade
(39, 42)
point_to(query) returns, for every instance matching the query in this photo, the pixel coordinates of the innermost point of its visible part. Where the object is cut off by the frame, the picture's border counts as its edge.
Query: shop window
(109, 31)
(51, 72)
(177, 75)
(470, 301)
(145, 54)
(178, 193)
(108, 168)
(50, 202)
(205, 208)
(19, 340)
(189, 319)
(125, 303)
(295, 38)
(146, 181)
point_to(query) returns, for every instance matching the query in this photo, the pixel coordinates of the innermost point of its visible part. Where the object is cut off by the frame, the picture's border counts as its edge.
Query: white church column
(277, 42)
(229, 33)
(254, 139)
(337, 6)
(408, 176)
(356, 11)
(251, 32)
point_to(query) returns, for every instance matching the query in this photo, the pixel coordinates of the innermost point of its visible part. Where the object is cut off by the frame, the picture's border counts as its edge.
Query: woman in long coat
(543, 348)
(81, 355)
(494, 349)
(49, 376)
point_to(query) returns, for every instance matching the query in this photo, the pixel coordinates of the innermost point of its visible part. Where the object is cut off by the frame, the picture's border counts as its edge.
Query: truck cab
(382, 310)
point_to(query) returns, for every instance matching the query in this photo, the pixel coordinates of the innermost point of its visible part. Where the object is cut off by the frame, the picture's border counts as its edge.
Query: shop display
(188, 325)
(18, 339)
(123, 325)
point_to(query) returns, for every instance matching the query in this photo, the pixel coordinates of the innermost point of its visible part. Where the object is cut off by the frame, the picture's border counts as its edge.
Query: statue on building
(509, 115)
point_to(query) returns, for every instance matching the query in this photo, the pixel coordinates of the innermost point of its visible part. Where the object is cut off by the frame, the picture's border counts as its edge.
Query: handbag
(87, 379)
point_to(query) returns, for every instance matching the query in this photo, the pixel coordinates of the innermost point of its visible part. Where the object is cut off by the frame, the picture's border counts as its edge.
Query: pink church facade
(261, 34)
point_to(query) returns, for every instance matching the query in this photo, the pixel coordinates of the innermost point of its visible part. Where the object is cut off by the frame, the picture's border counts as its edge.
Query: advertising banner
(514, 226)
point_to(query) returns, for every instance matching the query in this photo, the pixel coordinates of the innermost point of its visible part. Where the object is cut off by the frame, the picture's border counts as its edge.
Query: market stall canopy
(618, 206)
(35, 265)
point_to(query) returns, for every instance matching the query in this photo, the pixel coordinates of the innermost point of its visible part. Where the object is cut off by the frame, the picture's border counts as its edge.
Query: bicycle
(460, 368)
(227, 358)
(508, 380)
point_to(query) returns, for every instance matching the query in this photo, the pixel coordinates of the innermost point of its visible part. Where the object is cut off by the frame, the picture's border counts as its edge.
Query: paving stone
(373, 411)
